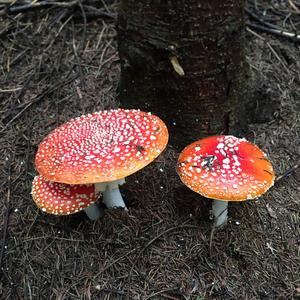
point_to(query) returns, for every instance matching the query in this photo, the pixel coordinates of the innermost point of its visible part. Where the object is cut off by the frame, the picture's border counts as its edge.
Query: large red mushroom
(225, 168)
(102, 148)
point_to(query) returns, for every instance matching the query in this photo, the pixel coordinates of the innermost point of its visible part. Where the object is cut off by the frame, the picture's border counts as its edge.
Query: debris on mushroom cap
(62, 199)
(101, 147)
(225, 168)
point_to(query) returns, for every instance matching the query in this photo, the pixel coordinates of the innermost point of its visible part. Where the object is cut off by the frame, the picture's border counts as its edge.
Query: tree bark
(185, 61)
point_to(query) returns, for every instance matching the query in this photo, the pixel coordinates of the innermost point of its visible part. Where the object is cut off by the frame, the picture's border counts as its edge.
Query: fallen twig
(79, 65)
(284, 34)
(287, 172)
(10, 90)
(90, 11)
(6, 220)
(15, 9)
(96, 12)
(260, 19)
(84, 25)
(8, 211)
(38, 98)
(165, 232)
(115, 261)
(295, 8)
(157, 237)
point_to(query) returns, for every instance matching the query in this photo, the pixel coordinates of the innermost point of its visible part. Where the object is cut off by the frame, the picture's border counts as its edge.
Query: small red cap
(101, 147)
(61, 199)
(225, 168)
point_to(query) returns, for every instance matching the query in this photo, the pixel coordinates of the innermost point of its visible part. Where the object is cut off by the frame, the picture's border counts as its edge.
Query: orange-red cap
(101, 147)
(62, 199)
(225, 168)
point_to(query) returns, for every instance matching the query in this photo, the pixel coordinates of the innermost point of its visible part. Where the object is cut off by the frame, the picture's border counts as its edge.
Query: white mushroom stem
(219, 211)
(111, 193)
(94, 212)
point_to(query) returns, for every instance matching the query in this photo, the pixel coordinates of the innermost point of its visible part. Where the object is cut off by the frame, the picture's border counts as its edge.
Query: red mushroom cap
(101, 147)
(62, 199)
(225, 168)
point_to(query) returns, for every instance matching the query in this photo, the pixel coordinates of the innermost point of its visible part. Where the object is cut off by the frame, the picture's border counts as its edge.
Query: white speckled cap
(101, 147)
(225, 168)
(62, 199)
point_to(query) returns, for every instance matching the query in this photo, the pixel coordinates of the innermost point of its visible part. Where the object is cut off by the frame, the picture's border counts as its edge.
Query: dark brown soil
(61, 62)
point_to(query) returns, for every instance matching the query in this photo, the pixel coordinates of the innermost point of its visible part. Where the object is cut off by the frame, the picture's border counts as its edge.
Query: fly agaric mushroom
(225, 168)
(64, 199)
(102, 148)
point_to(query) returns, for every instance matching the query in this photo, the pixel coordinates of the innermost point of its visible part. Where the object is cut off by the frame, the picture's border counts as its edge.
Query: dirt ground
(59, 62)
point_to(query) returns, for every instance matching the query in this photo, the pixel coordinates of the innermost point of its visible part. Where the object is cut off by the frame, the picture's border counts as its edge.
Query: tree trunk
(185, 61)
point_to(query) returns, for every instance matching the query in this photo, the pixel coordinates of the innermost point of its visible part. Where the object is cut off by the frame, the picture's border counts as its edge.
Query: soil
(61, 61)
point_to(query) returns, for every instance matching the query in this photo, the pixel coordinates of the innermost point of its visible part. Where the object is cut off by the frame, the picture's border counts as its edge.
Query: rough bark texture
(206, 38)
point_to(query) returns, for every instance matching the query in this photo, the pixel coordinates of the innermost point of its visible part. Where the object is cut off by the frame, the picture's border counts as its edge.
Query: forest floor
(61, 61)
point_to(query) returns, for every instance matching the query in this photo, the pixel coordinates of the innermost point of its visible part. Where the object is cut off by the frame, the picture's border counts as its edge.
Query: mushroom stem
(94, 212)
(219, 211)
(111, 193)
(113, 198)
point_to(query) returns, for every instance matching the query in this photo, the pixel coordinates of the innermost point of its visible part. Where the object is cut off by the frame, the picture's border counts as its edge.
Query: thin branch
(295, 8)
(10, 90)
(284, 34)
(6, 220)
(96, 12)
(8, 211)
(259, 19)
(287, 172)
(187, 226)
(15, 9)
(84, 25)
(38, 98)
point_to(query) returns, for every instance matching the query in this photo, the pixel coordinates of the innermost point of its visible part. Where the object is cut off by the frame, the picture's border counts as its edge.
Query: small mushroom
(65, 199)
(102, 148)
(225, 168)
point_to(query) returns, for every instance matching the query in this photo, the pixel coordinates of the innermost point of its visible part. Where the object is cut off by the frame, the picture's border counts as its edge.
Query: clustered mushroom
(95, 152)
(99, 149)
(225, 168)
